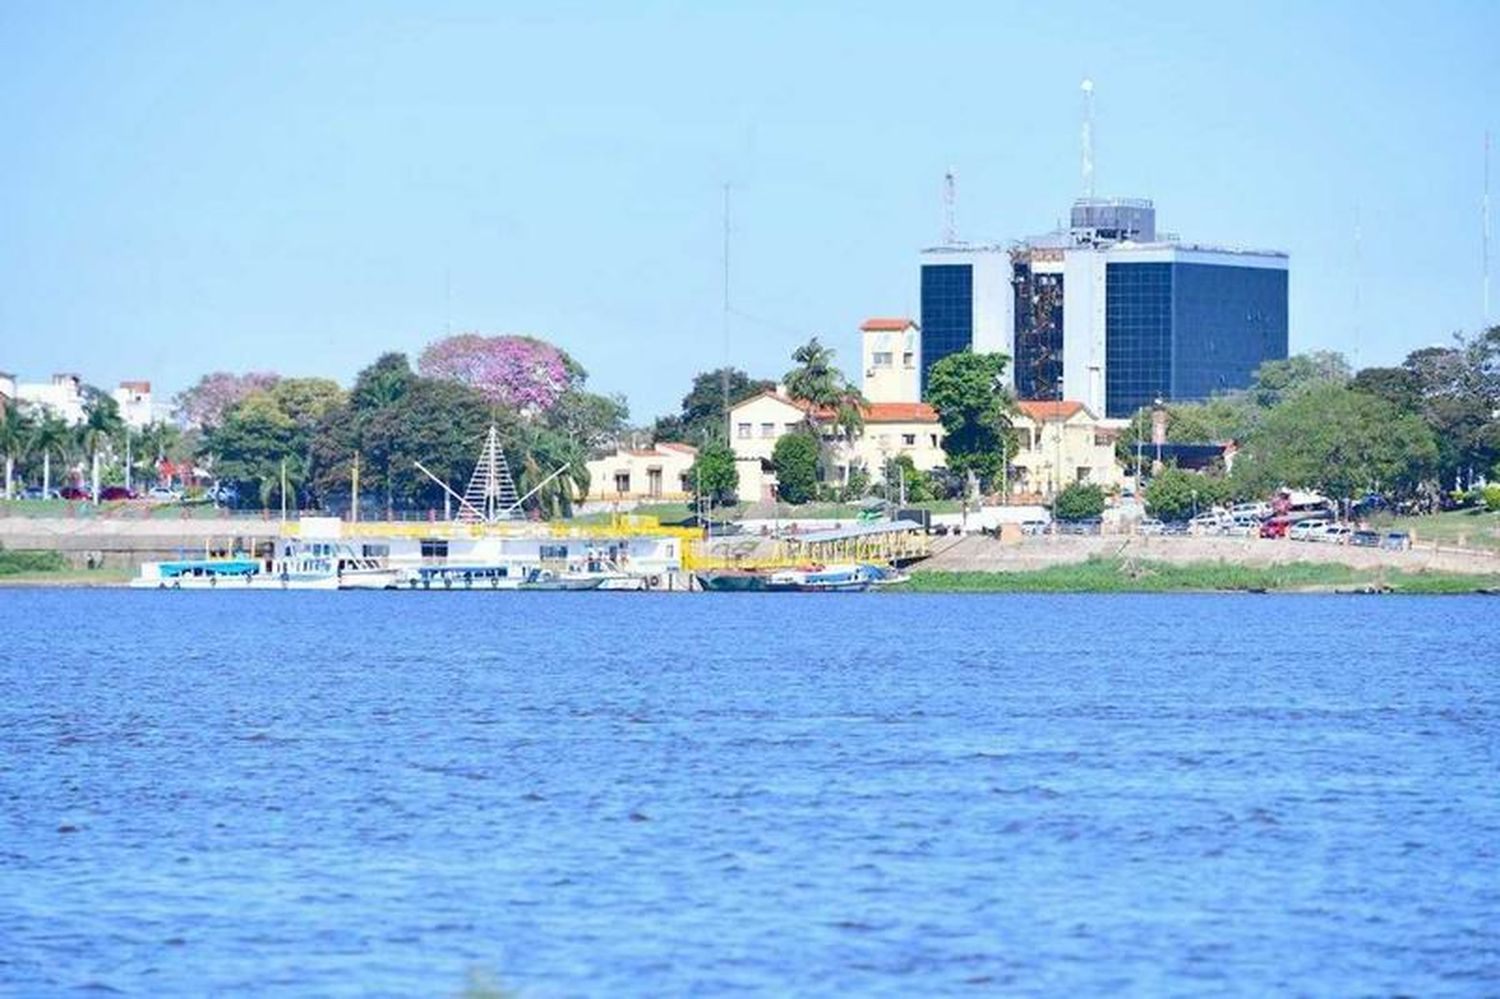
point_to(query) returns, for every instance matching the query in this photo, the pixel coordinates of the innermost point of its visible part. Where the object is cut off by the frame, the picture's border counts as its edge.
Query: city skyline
(195, 190)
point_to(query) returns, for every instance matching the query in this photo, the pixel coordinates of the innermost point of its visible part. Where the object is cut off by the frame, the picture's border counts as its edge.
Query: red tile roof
(1043, 411)
(900, 412)
(885, 324)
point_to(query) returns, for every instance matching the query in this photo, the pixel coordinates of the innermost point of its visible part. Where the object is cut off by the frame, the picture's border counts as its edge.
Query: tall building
(966, 302)
(1113, 314)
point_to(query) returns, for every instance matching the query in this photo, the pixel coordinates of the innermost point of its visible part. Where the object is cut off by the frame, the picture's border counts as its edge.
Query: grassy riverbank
(1114, 575)
(51, 569)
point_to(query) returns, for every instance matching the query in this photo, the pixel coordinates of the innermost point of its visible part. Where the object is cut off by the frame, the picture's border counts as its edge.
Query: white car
(1260, 511)
(1206, 523)
(1150, 525)
(1303, 530)
(162, 494)
(1333, 534)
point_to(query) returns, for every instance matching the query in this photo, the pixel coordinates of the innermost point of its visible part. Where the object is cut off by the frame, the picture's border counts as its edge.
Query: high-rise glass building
(966, 302)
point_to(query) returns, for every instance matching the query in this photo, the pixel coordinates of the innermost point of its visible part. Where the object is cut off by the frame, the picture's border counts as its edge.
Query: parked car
(1205, 523)
(1396, 541)
(1033, 527)
(163, 494)
(1150, 525)
(1175, 529)
(73, 493)
(37, 493)
(1332, 534)
(1365, 539)
(1303, 530)
(1260, 511)
(110, 494)
(1276, 527)
(1242, 526)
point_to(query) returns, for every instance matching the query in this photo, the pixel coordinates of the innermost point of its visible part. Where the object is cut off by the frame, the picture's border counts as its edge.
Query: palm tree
(542, 452)
(15, 439)
(50, 436)
(825, 390)
(101, 424)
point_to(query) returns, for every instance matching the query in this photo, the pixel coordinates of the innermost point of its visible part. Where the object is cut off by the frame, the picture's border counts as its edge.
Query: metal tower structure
(1088, 137)
(950, 208)
(491, 495)
(1484, 217)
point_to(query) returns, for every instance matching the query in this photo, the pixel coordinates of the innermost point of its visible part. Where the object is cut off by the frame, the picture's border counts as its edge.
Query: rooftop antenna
(1484, 215)
(724, 370)
(950, 204)
(1358, 233)
(1088, 137)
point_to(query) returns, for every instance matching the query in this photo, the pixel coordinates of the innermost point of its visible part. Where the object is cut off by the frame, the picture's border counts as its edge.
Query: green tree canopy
(796, 459)
(969, 394)
(1341, 442)
(1279, 381)
(1080, 501)
(703, 415)
(714, 476)
(816, 382)
(1174, 494)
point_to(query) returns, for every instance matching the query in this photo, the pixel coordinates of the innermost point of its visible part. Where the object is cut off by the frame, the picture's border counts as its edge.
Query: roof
(136, 386)
(873, 412)
(1045, 410)
(886, 324)
(900, 412)
(856, 531)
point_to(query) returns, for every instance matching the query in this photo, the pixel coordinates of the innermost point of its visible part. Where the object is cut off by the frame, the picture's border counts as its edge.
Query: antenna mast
(724, 370)
(950, 205)
(1088, 137)
(1358, 239)
(1484, 215)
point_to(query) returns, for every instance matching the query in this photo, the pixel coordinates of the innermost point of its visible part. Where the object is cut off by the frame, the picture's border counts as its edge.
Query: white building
(134, 400)
(660, 472)
(891, 358)
(62, 396)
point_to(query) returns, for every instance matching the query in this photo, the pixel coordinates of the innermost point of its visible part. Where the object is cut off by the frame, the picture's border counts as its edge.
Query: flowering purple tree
(204, 404)
(516, 371)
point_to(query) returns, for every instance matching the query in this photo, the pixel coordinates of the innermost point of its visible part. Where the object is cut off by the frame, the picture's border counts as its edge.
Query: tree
(1080, 501)
(703, 413)
(101, 426)
(382, 383)
(969, 395)
(206, 402)
(796, 460)
(250, 444)
(539, 452)
(1341, 442)
(520, 372)
(816, 382)
(1397, 386)
(442, 424)
(915, 485)
(1459, 388)
(1174, 494)
(50, 435)
(714, 476)
(1278, 381)
(15, 440)
(594, 421)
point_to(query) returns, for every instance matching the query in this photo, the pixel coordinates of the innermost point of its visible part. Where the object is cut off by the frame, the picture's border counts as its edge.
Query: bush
(1080, 501)
(796, 461)
(1492, 497)
(857, 486)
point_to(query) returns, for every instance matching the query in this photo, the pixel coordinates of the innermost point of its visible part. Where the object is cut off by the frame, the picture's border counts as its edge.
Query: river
(648, 794)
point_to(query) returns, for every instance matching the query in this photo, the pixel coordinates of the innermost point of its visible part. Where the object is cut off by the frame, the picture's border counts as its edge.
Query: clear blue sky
(300, 186)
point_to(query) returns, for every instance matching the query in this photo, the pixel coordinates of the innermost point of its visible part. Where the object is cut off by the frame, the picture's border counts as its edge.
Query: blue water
(629, 794)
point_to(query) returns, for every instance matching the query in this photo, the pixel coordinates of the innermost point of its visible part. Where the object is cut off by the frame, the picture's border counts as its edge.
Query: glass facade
(1137, 336)
(1182, 331)
(947, 313)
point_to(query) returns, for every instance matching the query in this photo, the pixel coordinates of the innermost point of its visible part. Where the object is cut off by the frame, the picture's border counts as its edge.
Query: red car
(1276, 527)
(73, 493)
(112, 493)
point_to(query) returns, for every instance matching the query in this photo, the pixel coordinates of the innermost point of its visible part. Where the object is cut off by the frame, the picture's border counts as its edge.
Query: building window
(743, 431)
(622, 482)
(910, 440)
(908, 359)
(653, 482)
(882, 358)
(791, 428)
(1083, 473)
(376, 551)
(553, 553)
(434, 548)
(933, 438)
(768, 430)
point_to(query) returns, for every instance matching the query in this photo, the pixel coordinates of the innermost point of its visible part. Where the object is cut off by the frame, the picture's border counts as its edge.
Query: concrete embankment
(981, 553)
(125, 544)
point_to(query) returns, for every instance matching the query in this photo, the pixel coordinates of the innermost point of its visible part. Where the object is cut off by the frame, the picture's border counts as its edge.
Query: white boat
(851, 578)
(316, 565)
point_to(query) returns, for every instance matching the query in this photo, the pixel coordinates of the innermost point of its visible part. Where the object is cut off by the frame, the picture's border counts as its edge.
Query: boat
(733, 581)
(548, 579)
(317, 565)
(487, 576)
(853, 578)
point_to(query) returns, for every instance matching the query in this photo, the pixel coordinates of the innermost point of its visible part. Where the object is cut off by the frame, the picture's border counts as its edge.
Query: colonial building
(1061, 443)
(661, 472)
(63, 396)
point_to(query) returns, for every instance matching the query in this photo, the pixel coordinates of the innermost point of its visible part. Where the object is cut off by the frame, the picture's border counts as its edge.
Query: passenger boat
(317, 565)
(826, 579)
(463, 577)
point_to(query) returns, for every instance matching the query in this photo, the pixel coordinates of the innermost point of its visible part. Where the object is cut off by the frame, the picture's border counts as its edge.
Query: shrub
(796, 461)
(1492, 497)
(1080, 501)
